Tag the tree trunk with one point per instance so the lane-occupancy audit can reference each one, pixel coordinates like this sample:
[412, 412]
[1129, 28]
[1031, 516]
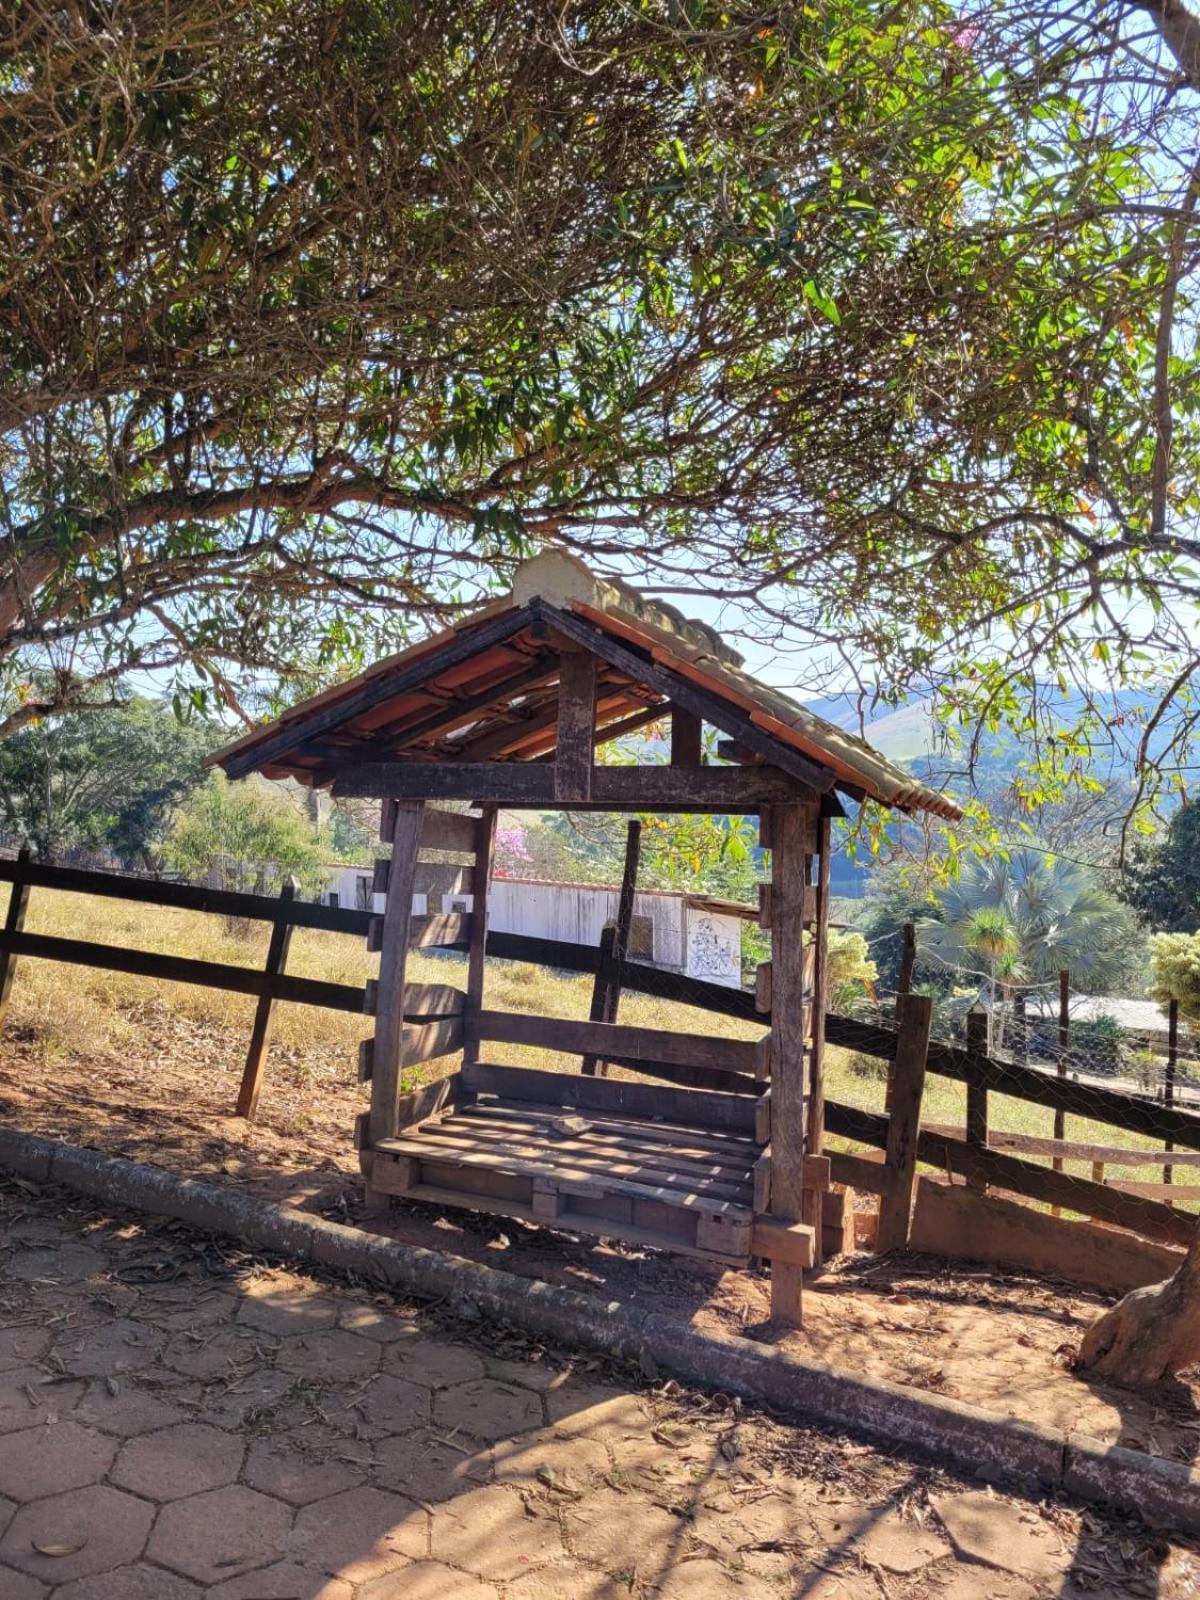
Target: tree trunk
[1152, 1333]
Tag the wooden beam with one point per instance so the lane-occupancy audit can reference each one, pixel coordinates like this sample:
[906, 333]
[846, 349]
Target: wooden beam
[388, 1054]
[815, 1140]
[14, 923]
[456, 710]
[687, 746]
[606, 991]
[904, 1124]
[277, 954]
[717, 789]
[381, 686]
[485, 840]
[790, 839]
[615, 1041]
[783, 1244]
[732, 1114]
[682, 691]
[576, 727]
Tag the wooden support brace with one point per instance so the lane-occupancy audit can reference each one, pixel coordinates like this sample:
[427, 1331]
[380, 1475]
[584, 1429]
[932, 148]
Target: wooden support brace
[485, 843]
[14, 922]
[573, 762]
[260, 1033]
[904, 1124]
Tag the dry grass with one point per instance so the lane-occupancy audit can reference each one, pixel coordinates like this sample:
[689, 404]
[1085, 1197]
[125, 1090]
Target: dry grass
[81, 1011]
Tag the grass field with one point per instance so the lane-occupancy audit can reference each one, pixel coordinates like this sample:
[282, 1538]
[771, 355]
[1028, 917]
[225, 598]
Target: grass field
[76, 1011]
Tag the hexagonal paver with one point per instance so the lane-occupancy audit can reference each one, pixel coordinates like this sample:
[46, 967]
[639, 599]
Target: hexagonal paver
[206, 1535]
[622, 1533]
[896, 1544]
[28, 1396]
[487, 1409]
[251, 1393]
[130, 1410]
[23, 1344]
[581, 1407]
[16, 1585]
[186, 1459]
[101, 1527]
[436, 1363]
[331, 1355]
[69, 1262]
[118, 1346]
[285, 1305]
[52, 1459]
[540, 1458]
[427, 1469]
[525, 1374]
[389, 1405]
[709, 1580]
[283, 1582]
[219, 1352]
[570, 1581]
[361, 1534]
[495, 1533]
[429, 1580]
[301, 1466]
[138, 1582]
[380, 1323]
[996, 1533]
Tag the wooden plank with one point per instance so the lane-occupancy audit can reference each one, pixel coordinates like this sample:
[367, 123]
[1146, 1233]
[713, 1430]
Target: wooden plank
[14, 924]
[687, 745]
[444, 930]
[616, 1041]
[455, 832]
[1168, 1189]
[388, 1056]
[818, 949]
[1114, 1154]
[717, 1146]
[1135, 1113]
[439, 878]
[791, 1244]
[606, 991]
[977, 1095]
[534, 784]
[418, 1105]
[858, 1172]
[573, 767]
[457, 710]
[685, 1107]
[895, 1211]
[485, 840]
[380, 686]
[790, 840]
[185, 969]
[681, 691]
[277, 954]
[183, 896]
[425, 1041]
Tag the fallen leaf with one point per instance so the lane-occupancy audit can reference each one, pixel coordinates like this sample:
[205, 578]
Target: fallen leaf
[59, 1549]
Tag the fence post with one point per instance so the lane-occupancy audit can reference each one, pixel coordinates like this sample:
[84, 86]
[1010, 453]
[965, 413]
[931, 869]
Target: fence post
[614, 946]
[977, 1095]
[277, 954]
[1064, 1046]
[904, 1123]
[908, 960]
[1169, 1075]
[18, 904]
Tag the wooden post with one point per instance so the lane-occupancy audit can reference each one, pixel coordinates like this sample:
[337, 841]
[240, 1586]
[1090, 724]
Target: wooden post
[14, 922]
[573, 763]
[815, 1128]
[790, 835]
[1064, 1048]
[1169, 1075]
[256, 1055]
[908, 960]
[687, 748]
[904, 1124]
[388, 1055]
[614, 946]
[485, 844]
[977, 1095]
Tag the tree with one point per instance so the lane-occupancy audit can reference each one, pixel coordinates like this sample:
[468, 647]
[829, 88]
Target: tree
[314, 317]
[254, 832]
[105, 779]
[1163, 878]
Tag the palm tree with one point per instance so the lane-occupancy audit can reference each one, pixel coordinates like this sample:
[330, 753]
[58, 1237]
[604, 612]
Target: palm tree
[1018, 921]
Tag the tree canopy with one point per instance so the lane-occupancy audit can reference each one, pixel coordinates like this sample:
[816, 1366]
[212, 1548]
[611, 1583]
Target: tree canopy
[872, 320]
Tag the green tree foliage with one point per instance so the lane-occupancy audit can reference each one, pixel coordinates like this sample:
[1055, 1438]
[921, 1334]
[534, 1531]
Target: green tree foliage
[1163, 879]
[314, 317]
[1020, 921]
[254, 833]
[105, 779]
[1175, 972]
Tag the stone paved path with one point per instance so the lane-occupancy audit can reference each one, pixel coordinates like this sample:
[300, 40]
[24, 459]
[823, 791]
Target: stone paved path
[179, 1419]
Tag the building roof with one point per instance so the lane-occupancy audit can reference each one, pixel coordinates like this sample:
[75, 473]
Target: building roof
[486, 690]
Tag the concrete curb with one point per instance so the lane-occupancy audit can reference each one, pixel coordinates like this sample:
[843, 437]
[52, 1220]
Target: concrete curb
[985, 1444]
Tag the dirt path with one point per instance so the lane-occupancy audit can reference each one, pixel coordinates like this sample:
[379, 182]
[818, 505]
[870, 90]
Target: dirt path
[180, 1419]
[999, 1341]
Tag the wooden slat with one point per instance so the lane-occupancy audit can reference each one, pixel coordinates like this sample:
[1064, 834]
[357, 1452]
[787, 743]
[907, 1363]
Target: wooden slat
[695, 1143]
[684, 1106]
[445, 930]
[858, 1172]
[417, 1105]
[388, 1062]
[485, 840]
[895, 1211]
[453, 831]
[523, 783]
[790, 841]
[185, 969]
[183, 896]
[615, 1041]
[277, 954]
[791, 1244]
[425, 1041]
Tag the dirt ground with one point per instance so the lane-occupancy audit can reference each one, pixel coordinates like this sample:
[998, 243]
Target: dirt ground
[1000, 1341]
[179, 1418]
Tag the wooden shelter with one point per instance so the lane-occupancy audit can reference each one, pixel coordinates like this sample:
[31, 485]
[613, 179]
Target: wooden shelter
[505, 710]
